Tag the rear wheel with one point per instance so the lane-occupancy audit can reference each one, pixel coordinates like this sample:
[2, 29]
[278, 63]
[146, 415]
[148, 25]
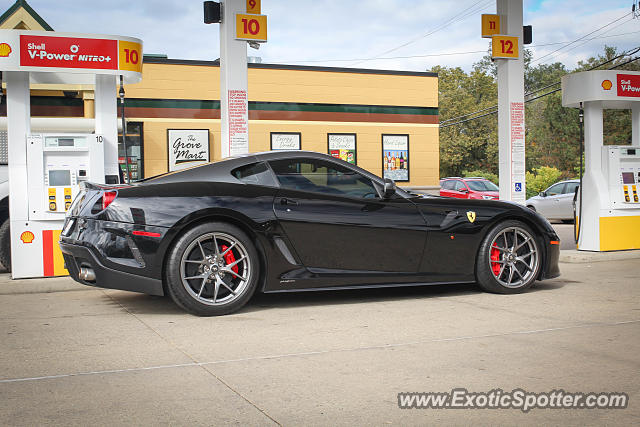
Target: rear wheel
[212, 269]
[509, 259]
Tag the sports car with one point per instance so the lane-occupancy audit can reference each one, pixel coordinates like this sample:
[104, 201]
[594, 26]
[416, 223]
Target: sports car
[283, 221]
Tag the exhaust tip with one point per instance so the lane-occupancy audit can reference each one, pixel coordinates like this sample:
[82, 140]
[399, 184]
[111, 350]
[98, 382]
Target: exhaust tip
[87, 274]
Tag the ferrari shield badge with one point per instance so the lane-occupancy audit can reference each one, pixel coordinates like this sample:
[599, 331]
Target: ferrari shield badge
[471, 216]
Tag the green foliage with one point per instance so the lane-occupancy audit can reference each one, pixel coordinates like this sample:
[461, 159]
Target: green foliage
[552, 138]
[540, 179]
[473, 145]
[488, 175]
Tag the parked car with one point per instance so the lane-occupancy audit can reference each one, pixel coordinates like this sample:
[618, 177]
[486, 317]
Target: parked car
[469, 188]
[556, 202]
[282, 221]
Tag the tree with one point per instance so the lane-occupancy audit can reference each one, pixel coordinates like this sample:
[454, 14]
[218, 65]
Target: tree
[471, 145]
[552, 131]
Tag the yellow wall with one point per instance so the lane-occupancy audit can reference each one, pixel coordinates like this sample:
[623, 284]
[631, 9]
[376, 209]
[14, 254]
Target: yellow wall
[424, 154]
[171, 81]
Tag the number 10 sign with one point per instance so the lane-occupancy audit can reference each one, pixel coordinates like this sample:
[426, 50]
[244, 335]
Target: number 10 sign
[251, 27]
[505, 47]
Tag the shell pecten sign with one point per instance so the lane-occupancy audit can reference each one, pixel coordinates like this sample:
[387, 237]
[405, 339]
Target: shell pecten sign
[5, 50]
[45, 51]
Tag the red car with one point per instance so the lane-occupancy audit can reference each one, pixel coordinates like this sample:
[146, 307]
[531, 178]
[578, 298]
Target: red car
[469, 188]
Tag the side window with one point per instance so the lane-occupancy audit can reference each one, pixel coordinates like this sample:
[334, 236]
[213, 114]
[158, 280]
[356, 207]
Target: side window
[256, 174]
[448, 185]
[460, 186]
[571, 187]
[555, 189]
[322, 177]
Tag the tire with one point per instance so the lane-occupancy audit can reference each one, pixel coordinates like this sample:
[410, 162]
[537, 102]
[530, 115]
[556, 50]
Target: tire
[5, 245]
[209, 282]
[499, 268]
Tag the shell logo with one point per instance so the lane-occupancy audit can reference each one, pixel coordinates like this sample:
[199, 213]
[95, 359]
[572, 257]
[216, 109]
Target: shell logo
[607, 85]
[27, 237]
[5, 49]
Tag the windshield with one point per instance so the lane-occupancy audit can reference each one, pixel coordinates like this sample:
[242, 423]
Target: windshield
[482, 186]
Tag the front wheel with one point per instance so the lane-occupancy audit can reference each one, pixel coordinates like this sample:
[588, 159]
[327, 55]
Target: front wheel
[509, 259]
[212, 269]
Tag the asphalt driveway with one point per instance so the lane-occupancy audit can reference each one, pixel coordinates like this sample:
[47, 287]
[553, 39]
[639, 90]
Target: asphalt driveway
[109, 357]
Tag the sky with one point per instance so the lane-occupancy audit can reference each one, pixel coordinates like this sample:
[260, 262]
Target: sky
[410, 35]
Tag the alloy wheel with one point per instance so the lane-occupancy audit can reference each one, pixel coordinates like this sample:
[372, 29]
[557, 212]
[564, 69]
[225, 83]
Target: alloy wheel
[215, 268]
[514, 257]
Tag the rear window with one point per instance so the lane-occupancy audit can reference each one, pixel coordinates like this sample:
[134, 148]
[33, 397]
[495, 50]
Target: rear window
[448, 185]
[482, 186]
[256, 174]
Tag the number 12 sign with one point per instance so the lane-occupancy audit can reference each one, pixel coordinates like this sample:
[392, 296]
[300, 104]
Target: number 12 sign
[505, 47]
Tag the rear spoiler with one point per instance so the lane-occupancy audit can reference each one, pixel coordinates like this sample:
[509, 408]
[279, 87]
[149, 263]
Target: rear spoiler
[87, 185]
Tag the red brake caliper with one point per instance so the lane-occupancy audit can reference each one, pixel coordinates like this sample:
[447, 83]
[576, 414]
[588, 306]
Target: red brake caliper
[229, 258]
[495, 257]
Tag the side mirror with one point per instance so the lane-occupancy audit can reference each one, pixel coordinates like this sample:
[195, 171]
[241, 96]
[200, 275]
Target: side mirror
[542, 194]
[389, 188]
[463, 190]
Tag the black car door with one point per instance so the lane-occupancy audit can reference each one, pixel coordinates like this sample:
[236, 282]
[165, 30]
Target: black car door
[336, 220]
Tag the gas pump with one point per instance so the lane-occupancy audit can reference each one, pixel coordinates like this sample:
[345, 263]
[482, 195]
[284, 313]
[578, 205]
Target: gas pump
[608, 205]
[46, 169]
[58, 164]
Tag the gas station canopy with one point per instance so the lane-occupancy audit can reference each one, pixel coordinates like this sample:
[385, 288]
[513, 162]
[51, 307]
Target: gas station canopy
[59, 58]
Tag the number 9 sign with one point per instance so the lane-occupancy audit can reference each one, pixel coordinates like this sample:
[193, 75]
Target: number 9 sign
[505, 47]
[253, 6]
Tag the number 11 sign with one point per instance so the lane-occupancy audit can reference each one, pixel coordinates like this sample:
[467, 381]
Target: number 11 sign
[505, 47]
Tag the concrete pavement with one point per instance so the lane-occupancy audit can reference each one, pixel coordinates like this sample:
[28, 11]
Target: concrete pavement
[109, 357]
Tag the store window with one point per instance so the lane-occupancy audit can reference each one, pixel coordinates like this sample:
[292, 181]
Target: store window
[135, 152]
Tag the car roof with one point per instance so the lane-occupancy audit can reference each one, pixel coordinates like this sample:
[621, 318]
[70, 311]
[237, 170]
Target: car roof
[466, 178]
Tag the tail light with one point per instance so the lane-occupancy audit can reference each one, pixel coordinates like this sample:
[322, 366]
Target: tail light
[107, 198]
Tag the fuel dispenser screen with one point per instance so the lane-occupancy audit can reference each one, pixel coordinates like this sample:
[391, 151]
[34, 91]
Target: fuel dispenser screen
[66, 142]
[628, 178]
[59, 178]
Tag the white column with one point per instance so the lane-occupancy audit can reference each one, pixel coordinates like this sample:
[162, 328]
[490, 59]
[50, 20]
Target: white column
[594, 188]
[511, 108]
[593, 131]
[107, 120]
[234, 105]
[635, 124]
[18, 127]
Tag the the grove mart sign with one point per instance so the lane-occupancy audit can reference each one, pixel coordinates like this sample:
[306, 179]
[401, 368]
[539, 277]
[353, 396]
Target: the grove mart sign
[67, 52]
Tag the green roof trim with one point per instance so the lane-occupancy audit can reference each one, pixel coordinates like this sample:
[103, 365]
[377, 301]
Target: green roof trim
[23, 4]
[196, 104]
[56, 101]
[281, 106]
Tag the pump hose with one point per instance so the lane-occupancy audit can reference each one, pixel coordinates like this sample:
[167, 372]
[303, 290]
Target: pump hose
[577, 224]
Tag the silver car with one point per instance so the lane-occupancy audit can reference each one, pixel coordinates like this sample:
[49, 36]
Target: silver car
[556, 202]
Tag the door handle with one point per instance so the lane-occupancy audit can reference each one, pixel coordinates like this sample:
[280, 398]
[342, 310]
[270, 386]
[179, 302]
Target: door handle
[285, 201]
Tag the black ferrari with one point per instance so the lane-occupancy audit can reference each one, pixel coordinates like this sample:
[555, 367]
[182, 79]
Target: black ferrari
[212, 235]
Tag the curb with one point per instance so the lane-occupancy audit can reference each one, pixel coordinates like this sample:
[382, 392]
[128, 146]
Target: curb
[39, 285]
[574, 256]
